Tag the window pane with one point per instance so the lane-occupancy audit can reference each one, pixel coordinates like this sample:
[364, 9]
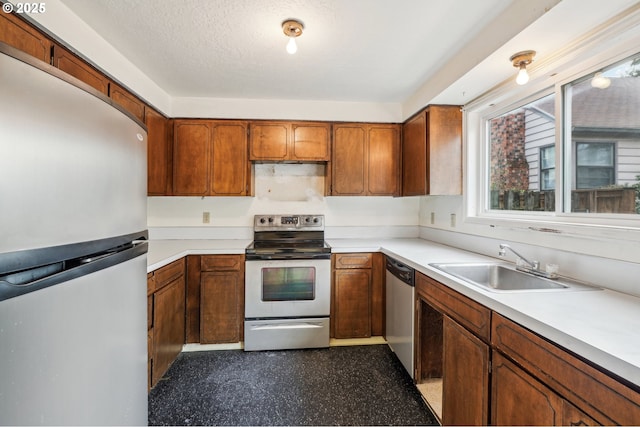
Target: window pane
[603, 115]
[518, 171]
[548, 157]
[594, 154]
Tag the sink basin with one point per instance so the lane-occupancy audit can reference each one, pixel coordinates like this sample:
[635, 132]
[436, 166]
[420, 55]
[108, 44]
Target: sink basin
[505, 278]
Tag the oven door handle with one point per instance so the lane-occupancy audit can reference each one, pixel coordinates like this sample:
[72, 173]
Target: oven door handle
[297, 325]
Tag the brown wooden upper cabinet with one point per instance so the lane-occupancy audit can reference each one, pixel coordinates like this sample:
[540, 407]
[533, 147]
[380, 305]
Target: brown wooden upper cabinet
[17, 33]
[365, 160]
[210, 158]
[276, 141]
[127, 100]
[432, 152]
[158, 153]
[76, 67]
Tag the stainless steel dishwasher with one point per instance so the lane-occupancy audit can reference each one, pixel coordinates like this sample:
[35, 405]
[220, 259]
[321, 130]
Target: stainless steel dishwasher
[400, 283]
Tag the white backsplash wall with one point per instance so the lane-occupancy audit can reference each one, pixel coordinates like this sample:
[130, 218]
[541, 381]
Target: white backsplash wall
[283, 189]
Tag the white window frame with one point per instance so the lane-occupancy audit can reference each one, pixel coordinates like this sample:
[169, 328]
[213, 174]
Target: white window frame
[595, 53]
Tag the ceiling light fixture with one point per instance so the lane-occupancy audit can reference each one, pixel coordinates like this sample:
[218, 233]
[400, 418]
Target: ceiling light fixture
[292, 28]
[600, 81]
[521, 60]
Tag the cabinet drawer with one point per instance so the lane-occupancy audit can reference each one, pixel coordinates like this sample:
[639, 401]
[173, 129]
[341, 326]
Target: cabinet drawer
[353, 260]
[473, 316]
[168, 273]
[590, 390]
[221, 262]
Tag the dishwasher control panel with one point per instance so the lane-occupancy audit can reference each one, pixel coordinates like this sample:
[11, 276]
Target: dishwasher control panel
[401, 271]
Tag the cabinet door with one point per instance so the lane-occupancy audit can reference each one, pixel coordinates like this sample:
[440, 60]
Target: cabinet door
[414, 156]
[572, 416]
[191, 158]
[465, 387]
[158, 153]
[432, 152]
[230, 166]
[17, 33]
[519, 399]
[310, 141]
[269, 141]
[349, 160]
[444, 144]
[352, 303]
[219, 301]
[168, 326]
[127, 100]
[383, 160]
[76, 67]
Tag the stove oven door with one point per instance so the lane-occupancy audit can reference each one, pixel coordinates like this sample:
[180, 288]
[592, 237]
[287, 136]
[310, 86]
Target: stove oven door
[287, 304]
[287, 288]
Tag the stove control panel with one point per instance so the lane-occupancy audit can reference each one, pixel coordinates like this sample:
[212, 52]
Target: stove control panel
[288, 222]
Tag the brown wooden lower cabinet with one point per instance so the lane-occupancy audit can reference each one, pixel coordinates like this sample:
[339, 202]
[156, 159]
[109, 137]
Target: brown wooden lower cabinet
[215, 299]
[588, 395]
[221, 299]
[519, 399]
[494, 371]
[352, 303]
[166, 335]
[452, 353]
[465, 382]
[357, 306]
[168, 317]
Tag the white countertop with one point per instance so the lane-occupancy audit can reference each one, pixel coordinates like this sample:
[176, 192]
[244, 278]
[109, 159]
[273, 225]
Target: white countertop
[600, 325]
[163, 252]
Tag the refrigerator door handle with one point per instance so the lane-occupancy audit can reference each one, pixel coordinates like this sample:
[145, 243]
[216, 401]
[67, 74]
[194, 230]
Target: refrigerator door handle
[16, 284]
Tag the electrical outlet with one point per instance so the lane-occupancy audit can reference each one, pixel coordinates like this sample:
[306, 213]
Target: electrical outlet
[453, 220]
[433, 218]
[206, 217]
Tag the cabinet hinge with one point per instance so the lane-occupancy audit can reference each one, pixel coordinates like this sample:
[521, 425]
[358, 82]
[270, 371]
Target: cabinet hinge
[51, 53]
[490, 366]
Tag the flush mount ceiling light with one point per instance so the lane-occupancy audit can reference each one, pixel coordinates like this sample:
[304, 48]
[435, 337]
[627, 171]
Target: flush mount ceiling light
[521, 60]
[292, 28]
[600, 81]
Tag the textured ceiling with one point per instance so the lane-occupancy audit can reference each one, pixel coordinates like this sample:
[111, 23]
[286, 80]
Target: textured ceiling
[351, 50]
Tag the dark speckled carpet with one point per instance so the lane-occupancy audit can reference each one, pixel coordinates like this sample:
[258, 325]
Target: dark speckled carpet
[359, 385]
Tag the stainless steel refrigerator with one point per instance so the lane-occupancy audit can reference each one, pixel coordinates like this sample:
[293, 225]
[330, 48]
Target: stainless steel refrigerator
[73, 320]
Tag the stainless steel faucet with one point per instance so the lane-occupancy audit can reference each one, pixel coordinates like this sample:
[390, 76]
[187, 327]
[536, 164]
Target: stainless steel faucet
[503, 252]
[532, 267]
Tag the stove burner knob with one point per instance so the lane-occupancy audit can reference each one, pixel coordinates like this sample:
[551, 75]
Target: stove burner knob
[316, 220]
[270, 219]
[262, 220]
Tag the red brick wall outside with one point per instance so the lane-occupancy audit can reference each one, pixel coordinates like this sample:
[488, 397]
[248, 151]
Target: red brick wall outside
[509, 167]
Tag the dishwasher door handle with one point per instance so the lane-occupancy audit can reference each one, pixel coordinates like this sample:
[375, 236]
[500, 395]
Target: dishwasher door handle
[401, 271]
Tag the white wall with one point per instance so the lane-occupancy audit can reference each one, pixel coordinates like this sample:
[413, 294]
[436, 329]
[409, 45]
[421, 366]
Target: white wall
[283, 189]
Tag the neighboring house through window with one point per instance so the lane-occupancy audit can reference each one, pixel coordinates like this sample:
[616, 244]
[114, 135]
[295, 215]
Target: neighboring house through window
[595, 164]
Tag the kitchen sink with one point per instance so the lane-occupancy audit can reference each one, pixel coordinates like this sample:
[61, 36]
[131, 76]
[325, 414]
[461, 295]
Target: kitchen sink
[498, 277]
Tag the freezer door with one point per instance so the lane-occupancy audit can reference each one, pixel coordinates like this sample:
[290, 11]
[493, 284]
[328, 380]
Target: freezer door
[76, 353]
[73, 166]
